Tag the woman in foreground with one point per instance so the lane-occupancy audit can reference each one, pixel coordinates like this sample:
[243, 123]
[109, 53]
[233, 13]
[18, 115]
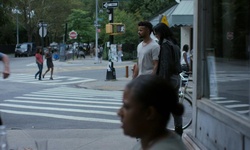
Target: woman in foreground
[148, 101]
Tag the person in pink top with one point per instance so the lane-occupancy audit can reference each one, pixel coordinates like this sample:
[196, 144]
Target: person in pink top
[39, 62]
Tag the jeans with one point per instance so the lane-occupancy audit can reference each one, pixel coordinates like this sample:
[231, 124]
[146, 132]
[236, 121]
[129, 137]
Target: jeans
[39, 72]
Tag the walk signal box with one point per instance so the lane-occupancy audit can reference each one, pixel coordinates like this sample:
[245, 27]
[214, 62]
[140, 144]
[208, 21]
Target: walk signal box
[115, 28]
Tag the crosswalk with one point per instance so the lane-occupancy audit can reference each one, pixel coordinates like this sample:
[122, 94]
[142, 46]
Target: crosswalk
[225, 77]
[58, 80]
[236, 105]
[67, 103]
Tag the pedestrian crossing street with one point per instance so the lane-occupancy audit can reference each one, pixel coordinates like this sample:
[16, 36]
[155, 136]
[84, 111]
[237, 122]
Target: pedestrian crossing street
[67, 103]
[65, 80]
[58, 80]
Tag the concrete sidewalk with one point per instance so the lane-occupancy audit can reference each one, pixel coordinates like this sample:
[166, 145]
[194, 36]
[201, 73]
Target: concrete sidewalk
[70, 139]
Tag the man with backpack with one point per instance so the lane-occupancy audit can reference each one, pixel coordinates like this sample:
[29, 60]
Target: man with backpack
[169, 66]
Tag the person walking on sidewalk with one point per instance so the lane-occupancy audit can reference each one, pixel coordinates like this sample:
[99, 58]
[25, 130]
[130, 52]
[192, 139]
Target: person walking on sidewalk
[99, 54]
[50, 64]
[148, 101]
[169, 65]
[185, 59]
[5, 59]
[39, 62]
[147, 51]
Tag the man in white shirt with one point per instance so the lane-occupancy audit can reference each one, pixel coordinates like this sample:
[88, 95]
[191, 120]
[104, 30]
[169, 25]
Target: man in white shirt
[147, 51]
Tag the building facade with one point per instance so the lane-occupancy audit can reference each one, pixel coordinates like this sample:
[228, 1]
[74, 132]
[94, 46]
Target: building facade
[221, 75]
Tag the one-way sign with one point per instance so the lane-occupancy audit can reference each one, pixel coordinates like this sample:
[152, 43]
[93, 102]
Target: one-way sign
[109, 4]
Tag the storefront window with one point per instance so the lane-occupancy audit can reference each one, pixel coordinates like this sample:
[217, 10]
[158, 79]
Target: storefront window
[227, 52]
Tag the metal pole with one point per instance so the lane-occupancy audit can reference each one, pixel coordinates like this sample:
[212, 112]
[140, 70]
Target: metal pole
[17, 29]
[96, 31]
[42, 36]
[111, 37]
[65, 34]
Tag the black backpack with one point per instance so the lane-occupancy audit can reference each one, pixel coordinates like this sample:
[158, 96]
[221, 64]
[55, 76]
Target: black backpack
[176, 56]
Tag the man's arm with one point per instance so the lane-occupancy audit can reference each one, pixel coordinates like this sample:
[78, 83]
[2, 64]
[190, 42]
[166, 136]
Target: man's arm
[155, 63]
[135, 70]
[6, 71]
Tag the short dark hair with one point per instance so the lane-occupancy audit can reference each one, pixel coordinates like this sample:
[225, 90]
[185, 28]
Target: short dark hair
[146, 24]
[185, 48]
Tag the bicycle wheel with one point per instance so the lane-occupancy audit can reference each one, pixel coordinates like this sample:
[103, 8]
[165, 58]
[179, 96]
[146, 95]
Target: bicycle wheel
[187, 115]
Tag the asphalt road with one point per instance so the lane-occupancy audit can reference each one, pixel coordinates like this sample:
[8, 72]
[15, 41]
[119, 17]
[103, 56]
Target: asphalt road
[27, 103]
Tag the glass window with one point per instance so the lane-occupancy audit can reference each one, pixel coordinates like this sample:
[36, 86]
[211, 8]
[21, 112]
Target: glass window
[227, 52]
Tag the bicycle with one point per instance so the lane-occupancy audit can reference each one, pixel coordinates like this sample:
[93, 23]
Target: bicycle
[185, 98]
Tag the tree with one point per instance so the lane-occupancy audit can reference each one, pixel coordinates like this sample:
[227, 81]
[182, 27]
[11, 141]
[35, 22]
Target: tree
[82, 23]
[147, 8]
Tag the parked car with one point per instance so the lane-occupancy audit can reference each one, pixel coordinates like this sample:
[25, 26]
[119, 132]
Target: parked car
[25, 49]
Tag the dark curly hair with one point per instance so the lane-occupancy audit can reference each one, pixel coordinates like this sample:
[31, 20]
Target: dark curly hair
[152, 90]
[146, 24]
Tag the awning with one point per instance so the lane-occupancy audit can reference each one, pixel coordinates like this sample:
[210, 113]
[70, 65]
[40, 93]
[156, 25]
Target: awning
[179, 15]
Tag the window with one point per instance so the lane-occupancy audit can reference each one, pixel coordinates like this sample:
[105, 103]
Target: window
[227, 53]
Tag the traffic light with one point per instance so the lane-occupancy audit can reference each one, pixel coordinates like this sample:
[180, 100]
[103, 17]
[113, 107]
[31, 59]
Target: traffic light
[120, 28]
[109, 28]
[115, 28]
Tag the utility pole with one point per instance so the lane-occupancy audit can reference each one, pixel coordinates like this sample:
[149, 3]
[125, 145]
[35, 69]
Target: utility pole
[111, 20]
[17, 29]
[96, 31]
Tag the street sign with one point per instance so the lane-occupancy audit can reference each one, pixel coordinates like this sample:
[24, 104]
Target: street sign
[72, 34]
[43, 31]
[41, 24]
[109, 4]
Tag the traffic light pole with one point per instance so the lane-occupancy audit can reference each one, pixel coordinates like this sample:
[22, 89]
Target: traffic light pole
[111, 75]
[111, 20]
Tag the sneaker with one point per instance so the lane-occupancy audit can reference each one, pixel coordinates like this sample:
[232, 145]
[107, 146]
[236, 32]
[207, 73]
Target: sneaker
[179, 130]
[51, 78]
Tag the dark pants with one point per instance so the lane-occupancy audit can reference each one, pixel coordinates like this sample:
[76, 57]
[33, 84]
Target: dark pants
[39, 72]
[184, 67]
[175, 80]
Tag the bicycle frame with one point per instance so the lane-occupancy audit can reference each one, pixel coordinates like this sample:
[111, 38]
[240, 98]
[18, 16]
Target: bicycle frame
[185, 98]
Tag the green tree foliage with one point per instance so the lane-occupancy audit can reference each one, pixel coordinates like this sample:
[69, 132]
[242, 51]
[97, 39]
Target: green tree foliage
[81, 22]
[147, 8]
[78, 14]
[130, 21]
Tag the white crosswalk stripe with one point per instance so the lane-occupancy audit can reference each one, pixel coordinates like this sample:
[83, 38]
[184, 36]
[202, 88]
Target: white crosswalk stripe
[67, 103]
[223, 77]
[58, 80]
[237, 105]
